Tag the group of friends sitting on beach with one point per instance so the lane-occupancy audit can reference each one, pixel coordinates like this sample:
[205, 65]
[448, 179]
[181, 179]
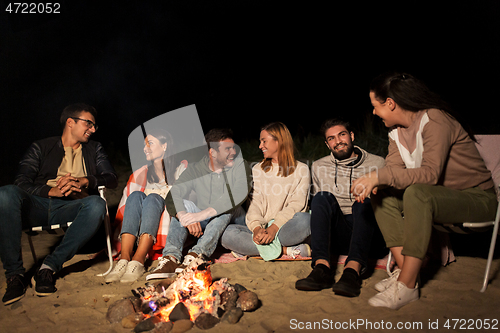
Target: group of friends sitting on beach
[350, 202]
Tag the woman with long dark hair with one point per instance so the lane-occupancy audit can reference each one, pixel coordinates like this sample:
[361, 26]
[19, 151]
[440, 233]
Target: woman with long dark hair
[144, 207]
[433, 172]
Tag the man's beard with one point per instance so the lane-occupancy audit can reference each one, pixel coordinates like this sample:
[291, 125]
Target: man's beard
[342, 155]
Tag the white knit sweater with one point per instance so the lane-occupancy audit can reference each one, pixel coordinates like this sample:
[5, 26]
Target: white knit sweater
[276, 197]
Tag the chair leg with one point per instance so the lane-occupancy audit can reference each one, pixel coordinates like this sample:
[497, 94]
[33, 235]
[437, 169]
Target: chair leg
[30, 241]
[490, 255]
[388, 265]
[107, 228]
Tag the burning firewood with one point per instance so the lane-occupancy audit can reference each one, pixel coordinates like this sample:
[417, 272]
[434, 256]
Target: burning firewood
[191, 296]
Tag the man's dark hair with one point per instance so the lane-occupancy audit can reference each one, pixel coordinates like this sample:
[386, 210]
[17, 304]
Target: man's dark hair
[334, 122]
[214, 136]
[74, 110]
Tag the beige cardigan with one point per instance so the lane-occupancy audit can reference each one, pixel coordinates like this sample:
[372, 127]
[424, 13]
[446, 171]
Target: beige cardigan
[449, 158]
[276, 197]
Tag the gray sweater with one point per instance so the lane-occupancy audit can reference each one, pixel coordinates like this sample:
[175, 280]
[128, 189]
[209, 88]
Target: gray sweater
[221, 191]
[335, 176]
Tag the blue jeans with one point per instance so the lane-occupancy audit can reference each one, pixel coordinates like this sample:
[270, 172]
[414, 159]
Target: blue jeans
[142, 214]
[20, 210]
[239, 238]
[212, 230]
[334, 232]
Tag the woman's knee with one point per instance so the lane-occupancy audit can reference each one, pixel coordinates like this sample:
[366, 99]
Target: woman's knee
[136, 195]
[420, 192]
[230, 234]
[154, 198]
[302, 216]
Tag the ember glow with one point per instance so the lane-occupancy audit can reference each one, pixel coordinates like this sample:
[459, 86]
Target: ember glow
[194, 288]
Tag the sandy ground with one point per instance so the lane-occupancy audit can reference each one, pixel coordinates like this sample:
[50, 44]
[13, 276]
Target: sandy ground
[449, 294]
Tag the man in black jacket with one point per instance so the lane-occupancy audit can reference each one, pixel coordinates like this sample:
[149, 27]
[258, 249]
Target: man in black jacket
[56, 182]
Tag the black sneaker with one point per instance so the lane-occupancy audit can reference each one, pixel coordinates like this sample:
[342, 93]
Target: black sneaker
[349, 284]
[44, 283]
[16, 289]
[320, 278]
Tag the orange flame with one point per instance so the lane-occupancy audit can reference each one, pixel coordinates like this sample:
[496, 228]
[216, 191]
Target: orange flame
[202, 281]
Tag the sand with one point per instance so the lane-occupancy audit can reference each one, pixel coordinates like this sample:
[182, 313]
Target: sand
[80, 304]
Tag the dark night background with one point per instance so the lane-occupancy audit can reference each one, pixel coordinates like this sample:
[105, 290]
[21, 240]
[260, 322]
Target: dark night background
[243, 63]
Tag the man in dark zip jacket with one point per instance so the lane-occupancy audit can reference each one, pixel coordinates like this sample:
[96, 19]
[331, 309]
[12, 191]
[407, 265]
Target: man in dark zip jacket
[221, 183]
[57, 182]
[338, 222]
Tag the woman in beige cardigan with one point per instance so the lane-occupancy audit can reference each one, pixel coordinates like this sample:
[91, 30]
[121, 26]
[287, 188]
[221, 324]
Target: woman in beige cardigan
[276, 221]
[433, 172]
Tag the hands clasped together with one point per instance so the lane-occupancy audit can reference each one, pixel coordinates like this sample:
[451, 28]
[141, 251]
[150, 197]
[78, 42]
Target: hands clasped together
[192, 220]
[67, 185]
[264, 236]
[364, 185]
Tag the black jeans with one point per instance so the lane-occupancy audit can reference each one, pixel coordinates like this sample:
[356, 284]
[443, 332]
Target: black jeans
[334, 232]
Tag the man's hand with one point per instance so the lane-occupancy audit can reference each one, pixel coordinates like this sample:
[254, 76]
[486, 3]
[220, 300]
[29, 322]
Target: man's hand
[55, 192]
[67, 185]
[189, 218]
[195, 229]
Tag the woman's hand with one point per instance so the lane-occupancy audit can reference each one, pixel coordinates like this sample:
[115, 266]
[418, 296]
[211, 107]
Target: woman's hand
[270, 234]
[263, 236]
[364, 185]
[258, 234]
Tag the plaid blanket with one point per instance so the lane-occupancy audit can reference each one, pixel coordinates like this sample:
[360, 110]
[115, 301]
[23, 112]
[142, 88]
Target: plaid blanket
[137, 182]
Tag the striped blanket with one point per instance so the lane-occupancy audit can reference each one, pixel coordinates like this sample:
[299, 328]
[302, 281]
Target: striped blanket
[137, 182]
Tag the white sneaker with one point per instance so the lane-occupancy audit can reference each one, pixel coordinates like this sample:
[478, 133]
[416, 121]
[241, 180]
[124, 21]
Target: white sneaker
[394, 297]
[117, 271]
[303, 250]
[134, 271]
[386, 283]
[237, 255]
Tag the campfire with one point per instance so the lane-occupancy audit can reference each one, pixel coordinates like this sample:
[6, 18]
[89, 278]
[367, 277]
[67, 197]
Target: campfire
[192, 296]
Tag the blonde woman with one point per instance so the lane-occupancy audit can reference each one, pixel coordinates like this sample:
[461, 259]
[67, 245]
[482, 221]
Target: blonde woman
[276, 222]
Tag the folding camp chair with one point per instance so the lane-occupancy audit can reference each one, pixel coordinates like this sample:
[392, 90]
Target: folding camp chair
[53, 228]
[487, 145]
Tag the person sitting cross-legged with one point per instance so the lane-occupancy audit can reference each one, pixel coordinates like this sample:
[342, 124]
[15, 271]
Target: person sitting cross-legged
[276, 222]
